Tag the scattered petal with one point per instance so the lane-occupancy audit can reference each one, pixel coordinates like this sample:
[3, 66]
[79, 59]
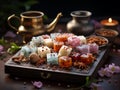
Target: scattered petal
[37, 84]
[101, 72]
[108, 73]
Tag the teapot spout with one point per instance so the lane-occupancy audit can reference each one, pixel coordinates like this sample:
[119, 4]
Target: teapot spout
[52, 25]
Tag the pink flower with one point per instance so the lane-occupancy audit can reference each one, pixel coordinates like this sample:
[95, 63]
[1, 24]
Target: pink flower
[104, 72]
[108, 73]
[109, 70]
[113, 68]
[101, 72]
[37, 84]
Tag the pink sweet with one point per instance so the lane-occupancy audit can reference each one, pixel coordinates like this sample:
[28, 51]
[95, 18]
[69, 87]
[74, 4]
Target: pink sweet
[74, 41]
[94, 48]
[83, 49]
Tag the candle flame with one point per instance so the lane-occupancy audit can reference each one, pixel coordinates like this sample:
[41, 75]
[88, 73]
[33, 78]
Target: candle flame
[110, 20]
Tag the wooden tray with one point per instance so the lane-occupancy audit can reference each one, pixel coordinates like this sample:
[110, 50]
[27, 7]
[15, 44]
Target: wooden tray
[30, 71]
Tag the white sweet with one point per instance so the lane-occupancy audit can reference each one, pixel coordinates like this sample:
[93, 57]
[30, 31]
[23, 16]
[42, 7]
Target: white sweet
[36, 41]
[27, 50]
[52, 58]
[43, 50]
[64, 51]
[82, 39]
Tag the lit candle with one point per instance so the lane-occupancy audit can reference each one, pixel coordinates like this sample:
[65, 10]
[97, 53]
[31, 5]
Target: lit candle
[109, 22]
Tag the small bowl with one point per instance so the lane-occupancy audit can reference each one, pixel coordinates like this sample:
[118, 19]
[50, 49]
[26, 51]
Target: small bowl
[110, 34]
[99, 40]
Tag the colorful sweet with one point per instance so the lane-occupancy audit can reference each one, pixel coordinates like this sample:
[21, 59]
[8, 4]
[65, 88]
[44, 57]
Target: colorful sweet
[94, 48]
[34, 58]
[54, 35]
[62, 50]
[74, 41]
[48, 42]
[37, 41]
[27, 50]
[57, 45]
[65, 61]
[88, 48]
[52, 58]
[43, 50]
[87, 58]
[83, 39]
[75, 56]
[83, 49]
[65, 51]
[63, 37]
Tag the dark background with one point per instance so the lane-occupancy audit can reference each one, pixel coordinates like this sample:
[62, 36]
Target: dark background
[99, 8]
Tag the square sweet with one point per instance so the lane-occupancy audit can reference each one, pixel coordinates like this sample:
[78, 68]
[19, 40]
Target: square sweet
[48, 42]
[64, 51]
[43, 50]
[52, 58]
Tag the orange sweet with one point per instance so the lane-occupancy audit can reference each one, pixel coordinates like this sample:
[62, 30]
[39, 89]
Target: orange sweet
[65, 61]
[57, 45]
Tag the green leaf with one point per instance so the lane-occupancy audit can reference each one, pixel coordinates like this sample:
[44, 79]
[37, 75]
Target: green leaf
[14, 47]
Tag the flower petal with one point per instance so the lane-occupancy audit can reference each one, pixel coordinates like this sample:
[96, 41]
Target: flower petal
[37, 84]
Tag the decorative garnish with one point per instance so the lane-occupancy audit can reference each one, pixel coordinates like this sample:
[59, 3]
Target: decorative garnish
[37, 84]
[14, 47]
[109, 70]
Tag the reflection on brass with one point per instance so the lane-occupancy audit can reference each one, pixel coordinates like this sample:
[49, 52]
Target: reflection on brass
[32, 23]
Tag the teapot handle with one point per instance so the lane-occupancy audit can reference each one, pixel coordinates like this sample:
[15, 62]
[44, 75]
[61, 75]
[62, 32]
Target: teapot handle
[9, 23]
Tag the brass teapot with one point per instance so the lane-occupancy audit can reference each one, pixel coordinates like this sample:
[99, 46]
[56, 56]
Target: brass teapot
[31, 22]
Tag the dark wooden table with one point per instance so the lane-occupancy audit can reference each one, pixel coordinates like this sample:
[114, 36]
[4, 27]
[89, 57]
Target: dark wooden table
[8, 82]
